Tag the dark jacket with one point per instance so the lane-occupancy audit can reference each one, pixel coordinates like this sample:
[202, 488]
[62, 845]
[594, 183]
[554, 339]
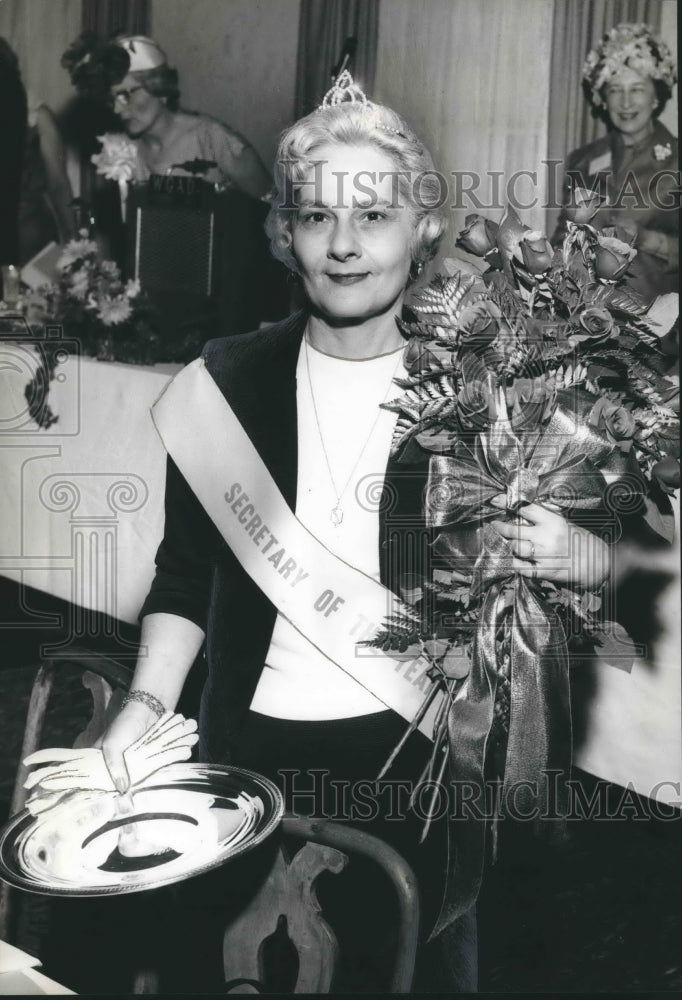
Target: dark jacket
[642, 185]
[197, 575]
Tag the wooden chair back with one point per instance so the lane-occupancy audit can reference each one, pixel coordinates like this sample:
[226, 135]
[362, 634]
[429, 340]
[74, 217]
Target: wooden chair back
[287, 904]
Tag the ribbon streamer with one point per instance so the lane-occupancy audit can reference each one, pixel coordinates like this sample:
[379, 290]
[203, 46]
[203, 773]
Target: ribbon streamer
[540, 721]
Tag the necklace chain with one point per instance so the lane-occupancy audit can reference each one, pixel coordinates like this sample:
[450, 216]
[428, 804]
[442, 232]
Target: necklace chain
[336, 513]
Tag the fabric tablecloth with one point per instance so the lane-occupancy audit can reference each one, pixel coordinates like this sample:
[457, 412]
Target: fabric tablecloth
[82, 501]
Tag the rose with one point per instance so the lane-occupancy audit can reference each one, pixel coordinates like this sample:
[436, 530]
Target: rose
[597, 324]
[479, 237]
[627, 232]
[478, 324]
[510, 232]
[535, 251]
[584, 205]
[666, 472]
[616, 421]
[530, 401]
[612, 258]
[476, 405]
[418, 357]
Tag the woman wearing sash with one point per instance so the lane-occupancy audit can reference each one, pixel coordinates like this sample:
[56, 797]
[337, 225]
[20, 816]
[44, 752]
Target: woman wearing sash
[356, 216]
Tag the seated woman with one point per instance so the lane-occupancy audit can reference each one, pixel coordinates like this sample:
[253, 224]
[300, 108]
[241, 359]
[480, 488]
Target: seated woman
[133, 73]
[629, 78]
[308, 392]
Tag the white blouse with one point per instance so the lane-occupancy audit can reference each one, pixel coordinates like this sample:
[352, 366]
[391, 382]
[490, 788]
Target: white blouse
[298, 681]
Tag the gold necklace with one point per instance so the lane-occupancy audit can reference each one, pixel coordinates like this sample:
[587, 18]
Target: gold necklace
[336, 513]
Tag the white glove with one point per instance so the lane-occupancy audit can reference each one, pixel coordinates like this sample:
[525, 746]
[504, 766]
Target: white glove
[168, 741]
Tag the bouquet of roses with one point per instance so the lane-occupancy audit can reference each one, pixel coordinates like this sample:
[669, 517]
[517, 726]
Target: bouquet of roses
[537, 378]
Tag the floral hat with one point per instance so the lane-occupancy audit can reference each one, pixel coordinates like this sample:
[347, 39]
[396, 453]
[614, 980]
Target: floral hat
[631, 45]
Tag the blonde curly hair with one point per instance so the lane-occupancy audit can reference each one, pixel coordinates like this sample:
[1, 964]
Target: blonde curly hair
[356, 124]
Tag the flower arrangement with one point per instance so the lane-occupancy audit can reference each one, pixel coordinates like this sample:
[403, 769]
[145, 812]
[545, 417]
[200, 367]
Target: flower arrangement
[628, 45]
[110, 318]
[535, 378]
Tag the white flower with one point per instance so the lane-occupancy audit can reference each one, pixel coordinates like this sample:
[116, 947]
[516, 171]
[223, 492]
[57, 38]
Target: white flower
[109, 269]
[79, 283]
[75, 250]
[117, 160]
[662, 152]
[132, 289]
[114, 310]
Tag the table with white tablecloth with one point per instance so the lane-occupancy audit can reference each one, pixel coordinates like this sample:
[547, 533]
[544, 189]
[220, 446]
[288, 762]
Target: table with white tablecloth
[82, 501]
[82, 506]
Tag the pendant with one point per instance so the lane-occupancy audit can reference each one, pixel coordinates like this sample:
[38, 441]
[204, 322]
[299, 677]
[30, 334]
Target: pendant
[336, 515]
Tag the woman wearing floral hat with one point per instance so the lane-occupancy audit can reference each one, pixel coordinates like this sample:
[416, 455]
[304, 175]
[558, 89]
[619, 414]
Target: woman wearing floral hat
[634, 168]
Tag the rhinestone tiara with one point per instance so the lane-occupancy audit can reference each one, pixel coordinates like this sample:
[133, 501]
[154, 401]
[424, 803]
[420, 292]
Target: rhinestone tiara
[345, 90]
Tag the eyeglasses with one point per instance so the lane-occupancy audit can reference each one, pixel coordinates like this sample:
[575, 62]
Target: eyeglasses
[124, 95]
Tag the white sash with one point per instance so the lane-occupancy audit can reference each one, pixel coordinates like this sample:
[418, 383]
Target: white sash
[331, 603]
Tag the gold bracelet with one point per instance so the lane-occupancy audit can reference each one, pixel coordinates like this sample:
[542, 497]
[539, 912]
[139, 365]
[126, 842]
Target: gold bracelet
[147, 699]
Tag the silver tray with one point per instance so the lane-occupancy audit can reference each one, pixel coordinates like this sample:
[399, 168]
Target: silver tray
[184, 820]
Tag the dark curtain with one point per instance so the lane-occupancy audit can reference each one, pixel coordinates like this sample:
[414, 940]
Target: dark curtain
[121, 16]
[578, 26]
[324, 26]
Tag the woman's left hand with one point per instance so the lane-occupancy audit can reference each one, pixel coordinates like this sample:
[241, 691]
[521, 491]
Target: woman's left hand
[548, 547]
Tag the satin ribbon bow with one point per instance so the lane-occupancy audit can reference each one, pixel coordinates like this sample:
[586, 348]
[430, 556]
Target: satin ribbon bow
[558, 463]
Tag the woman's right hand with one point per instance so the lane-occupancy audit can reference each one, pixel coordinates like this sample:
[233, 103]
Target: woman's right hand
[170, 645]
[132, 721]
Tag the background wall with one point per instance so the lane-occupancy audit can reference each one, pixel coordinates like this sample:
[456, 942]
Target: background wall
[473, 78]
[236, 60]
